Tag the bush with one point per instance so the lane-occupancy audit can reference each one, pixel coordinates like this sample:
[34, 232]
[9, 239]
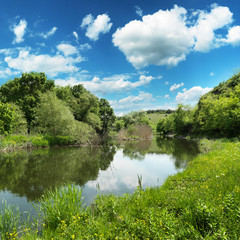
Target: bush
[134, 132]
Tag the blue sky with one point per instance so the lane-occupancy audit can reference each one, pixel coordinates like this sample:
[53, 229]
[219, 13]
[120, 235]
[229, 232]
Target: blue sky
[137, 54]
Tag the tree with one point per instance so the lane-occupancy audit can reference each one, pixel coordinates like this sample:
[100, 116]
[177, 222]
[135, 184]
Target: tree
[53, 116]
[25, 92]
[11, 119]
[107, 116]
[82, 103]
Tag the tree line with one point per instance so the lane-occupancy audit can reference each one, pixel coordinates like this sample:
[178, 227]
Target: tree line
[33, 104]
[217, 113]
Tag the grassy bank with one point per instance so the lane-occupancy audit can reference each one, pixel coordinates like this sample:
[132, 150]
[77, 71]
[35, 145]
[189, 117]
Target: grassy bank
[12, 142]
[200, 203]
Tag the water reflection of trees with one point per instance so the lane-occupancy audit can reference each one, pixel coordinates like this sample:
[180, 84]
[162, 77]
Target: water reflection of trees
[181, 150]
[31, 173]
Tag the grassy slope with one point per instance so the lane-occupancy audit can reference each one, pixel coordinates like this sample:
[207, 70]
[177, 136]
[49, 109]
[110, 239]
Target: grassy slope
[154, 119]
[200, 203]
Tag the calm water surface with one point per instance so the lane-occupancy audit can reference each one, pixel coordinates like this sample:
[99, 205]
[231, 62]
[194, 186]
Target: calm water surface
[25, 175]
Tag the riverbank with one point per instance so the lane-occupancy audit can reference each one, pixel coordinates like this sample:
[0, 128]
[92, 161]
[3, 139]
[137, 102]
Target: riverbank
[202, 202]
[16, 142]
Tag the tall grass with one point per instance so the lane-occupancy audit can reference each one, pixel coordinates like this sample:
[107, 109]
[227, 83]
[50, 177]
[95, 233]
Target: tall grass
[9, 221]
[60, 205]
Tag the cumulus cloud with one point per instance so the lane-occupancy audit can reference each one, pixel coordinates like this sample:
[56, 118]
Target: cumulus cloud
[49, 33]
[166, 96]
[192, 95]
[98, 86]
[19, 31]
[206, 24]
[95, 27]
[161, 39]
[233, 36]
[176, 86]
[167, 37]
[67, 49]
[51, 65]
[142, 100]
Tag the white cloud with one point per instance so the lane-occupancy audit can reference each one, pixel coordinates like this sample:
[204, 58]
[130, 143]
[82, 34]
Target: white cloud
[51, 65]
[160, 39]
[75, 34]
[96, 85]
[85, 46]
[50, 33]
[19, 31]
[7, 72]
[176, 86]
[67, 49]
[233, 36]
[100, 25]
[207, 23]
[166, 96]
[130, 103]
[87, 20]
[212, 74]
[192, 95]
[142, 96]
[139, 11]
[167, 37]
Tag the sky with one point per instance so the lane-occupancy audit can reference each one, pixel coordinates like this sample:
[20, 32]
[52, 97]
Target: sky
[139, 55]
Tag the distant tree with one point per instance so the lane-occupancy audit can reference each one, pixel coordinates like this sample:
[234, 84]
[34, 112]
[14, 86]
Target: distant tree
[25, 92]
[107, 116]
[133, 118]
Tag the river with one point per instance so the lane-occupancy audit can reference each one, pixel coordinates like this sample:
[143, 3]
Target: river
[112, 168]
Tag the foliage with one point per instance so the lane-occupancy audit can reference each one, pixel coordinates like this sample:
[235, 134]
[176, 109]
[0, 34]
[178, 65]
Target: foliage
[82, 103]
[134, 118]
[107, 116]
[54, 117]
[179, 122]
[135, 132]
[25, 92]
[11, 119]
[218, 112]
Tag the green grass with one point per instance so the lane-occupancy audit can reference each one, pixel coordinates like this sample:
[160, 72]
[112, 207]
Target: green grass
[154, 119]
[9, 221]
[11, 142]
[202, 202]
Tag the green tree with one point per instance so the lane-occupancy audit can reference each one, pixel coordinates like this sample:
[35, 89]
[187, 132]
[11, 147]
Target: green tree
[11, 119]
[25, 92]
[53, 116]
[107, 116]
[82, 103]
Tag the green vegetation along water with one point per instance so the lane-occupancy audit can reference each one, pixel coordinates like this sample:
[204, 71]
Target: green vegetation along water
[26, 175]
